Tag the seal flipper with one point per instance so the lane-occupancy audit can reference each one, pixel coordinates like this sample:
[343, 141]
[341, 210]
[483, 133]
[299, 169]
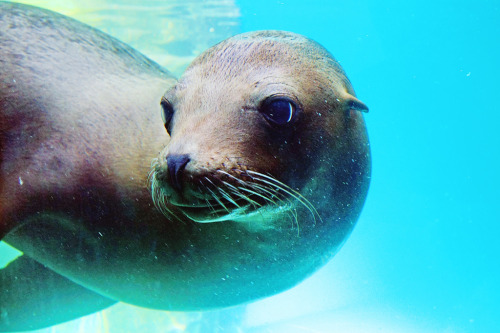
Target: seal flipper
[32, 297]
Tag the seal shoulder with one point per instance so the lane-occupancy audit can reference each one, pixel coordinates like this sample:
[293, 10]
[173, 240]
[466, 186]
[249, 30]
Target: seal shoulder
[38, 28]
[70, 96]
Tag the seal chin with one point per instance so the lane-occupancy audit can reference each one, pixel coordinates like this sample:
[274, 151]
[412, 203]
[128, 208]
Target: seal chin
[262, 215]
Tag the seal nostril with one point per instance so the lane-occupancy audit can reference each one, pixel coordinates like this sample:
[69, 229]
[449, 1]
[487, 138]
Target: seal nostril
[176, 165]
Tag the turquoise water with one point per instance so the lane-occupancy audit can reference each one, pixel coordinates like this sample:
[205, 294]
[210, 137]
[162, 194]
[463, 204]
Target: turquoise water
[424, 256]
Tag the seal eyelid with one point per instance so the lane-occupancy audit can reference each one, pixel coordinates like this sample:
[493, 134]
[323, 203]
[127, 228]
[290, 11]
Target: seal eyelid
[167, 113]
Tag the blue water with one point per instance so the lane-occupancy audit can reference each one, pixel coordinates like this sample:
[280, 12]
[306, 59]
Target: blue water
[426, 247]
[425, 255]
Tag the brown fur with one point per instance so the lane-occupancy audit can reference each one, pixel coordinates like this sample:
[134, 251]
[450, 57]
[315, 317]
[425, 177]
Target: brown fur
[85, 108]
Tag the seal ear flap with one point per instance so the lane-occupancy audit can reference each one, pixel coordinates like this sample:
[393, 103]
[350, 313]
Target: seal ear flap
[352, 103]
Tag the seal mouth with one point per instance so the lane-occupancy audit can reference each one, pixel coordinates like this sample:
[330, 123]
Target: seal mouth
[253, 197]
[248, 213]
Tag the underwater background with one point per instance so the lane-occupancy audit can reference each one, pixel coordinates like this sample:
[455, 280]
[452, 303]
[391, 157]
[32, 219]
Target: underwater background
[425, 255]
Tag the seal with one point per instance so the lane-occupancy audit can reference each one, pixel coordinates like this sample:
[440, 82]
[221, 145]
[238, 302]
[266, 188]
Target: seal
[261, 164]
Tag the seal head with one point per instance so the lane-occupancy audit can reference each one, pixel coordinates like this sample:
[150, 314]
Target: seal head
[266, 130]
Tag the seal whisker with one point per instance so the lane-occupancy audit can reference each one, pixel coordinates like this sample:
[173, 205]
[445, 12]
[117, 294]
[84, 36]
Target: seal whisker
[209, 205]
[303, 201]
[159, 198]
[282, 185]
[233, 177]
[258, 194]
[295, 217]
[272, 191]
[228, 197]
[152, 171]
[287, 189]
[230, 186]
[254, 203]
[246, 198]
[215, 195]
[233, 189]
[162, 207]
[245, 187]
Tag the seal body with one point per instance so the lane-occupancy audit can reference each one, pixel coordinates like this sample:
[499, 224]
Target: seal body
[268, 143]
[261, 172]
[79, 125]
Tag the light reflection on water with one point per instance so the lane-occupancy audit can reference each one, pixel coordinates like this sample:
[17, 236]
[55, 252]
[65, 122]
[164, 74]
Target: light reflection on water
[126, 318]
[170, 32]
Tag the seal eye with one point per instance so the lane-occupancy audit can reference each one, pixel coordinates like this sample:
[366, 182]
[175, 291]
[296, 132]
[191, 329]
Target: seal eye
[279, 110]
[166, 113]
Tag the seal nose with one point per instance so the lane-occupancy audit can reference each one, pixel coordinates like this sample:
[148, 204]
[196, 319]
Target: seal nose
[176, 165]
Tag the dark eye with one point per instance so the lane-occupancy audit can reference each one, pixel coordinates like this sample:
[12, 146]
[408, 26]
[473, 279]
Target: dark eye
[166, 113]
[278, 110]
